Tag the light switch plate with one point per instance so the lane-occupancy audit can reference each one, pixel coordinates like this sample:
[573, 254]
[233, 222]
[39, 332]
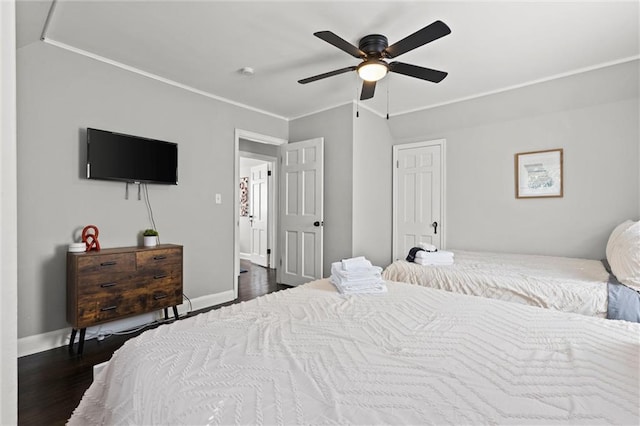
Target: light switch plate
[218, 198]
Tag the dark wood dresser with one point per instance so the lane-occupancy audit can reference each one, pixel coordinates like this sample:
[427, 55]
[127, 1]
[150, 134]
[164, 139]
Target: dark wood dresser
[116, 283]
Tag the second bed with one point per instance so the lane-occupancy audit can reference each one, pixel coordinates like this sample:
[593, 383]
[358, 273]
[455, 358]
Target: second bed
[559, 283]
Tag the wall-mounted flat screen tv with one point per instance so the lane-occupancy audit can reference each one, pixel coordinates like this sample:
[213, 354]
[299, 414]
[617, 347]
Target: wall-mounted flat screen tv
[116, 156]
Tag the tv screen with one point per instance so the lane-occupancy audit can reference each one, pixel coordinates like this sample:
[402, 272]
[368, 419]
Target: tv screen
[116, 156]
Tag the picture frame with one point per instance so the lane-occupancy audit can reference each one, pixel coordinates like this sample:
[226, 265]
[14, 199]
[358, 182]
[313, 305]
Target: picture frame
[539, 174]
[244, 196]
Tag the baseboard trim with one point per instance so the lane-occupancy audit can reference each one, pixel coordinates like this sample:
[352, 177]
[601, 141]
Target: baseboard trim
[53, 339]
[42, 342]
[245, 256]
[207, 301]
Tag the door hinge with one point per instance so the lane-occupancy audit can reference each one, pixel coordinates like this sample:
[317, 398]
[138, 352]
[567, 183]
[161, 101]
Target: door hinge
[397, 164]
[280, 261]
[268, 172]
[268, 251]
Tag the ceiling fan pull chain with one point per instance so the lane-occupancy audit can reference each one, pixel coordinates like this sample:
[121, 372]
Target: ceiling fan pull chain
[388, 84]
[357, 102]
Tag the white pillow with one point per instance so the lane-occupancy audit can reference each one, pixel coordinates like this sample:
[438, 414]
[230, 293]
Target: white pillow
[614, 236]
[625, 256]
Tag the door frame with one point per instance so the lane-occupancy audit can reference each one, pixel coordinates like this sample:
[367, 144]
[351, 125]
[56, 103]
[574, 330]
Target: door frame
[442, 143]
[259, 138]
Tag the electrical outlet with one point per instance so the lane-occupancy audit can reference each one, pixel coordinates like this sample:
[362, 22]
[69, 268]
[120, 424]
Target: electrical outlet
[218, 198]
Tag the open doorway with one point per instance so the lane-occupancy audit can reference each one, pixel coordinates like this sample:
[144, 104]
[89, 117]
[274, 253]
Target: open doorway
[256, 201]
[257, 213]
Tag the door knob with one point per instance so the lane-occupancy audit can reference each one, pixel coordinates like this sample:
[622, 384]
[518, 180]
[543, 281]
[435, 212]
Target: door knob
[317, 223]
[435, 227]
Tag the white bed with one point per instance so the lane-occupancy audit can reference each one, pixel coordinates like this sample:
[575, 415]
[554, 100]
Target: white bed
[560, 283]
[413, 355]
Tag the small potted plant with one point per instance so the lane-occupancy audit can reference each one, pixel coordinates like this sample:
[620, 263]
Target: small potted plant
[150, 237]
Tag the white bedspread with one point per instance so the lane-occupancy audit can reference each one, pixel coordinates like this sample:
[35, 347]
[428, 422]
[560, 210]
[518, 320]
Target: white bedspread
[414, 355]
[561, 283]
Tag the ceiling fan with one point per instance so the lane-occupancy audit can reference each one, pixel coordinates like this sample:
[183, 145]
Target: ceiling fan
[374, 48]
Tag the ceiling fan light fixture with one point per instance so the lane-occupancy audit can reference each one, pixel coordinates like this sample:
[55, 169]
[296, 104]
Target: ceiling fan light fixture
[373, 70]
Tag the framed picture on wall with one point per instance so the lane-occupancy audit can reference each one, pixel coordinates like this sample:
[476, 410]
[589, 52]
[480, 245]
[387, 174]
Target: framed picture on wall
[244, 196]
[539, 174]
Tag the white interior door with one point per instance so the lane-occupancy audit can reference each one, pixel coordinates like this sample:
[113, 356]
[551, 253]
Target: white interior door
[418, 196]
[259, 214]
[301, 211]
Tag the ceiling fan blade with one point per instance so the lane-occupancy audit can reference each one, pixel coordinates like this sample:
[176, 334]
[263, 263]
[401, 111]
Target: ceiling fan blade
[368, 89]
[428, 74]
[421, 37]
[325, 75]
[340, 43]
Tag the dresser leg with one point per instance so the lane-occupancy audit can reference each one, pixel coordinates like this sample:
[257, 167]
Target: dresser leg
[175, 312]
[166, 313]
[72, 339]
[81, 342]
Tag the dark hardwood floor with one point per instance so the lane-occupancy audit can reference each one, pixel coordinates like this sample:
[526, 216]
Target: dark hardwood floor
[51, 383]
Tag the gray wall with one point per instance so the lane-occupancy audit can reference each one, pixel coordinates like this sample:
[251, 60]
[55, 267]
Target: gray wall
[372, 197]
[336, 126]
[593, 116]
[60, 94]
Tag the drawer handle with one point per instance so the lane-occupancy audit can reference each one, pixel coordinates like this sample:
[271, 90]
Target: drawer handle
[157, 277]
[108, 263]
[159, 257]
[159, 296]
[108, 308]
[105, 285]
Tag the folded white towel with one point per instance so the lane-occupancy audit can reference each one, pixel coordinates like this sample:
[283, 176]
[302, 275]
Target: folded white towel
[355, 263]
[361, 281]
[357, 275]
[433, 262]
[441, 255]
[373, 286]
[336, 269]
[427, 247]
[337, 279]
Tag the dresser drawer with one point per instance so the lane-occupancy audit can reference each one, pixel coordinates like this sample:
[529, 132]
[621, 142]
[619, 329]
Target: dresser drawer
[99, 308]
[118, 262]
[105, 284]
[160, 275]
[165, 295]
[154, 259]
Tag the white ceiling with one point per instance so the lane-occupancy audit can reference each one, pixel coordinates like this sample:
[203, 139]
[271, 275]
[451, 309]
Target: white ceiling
[202, 45]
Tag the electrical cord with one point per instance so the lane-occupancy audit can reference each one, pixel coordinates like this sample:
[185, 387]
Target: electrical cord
[184, 296]
[108, 333]
[105, 334]
[149, 209]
